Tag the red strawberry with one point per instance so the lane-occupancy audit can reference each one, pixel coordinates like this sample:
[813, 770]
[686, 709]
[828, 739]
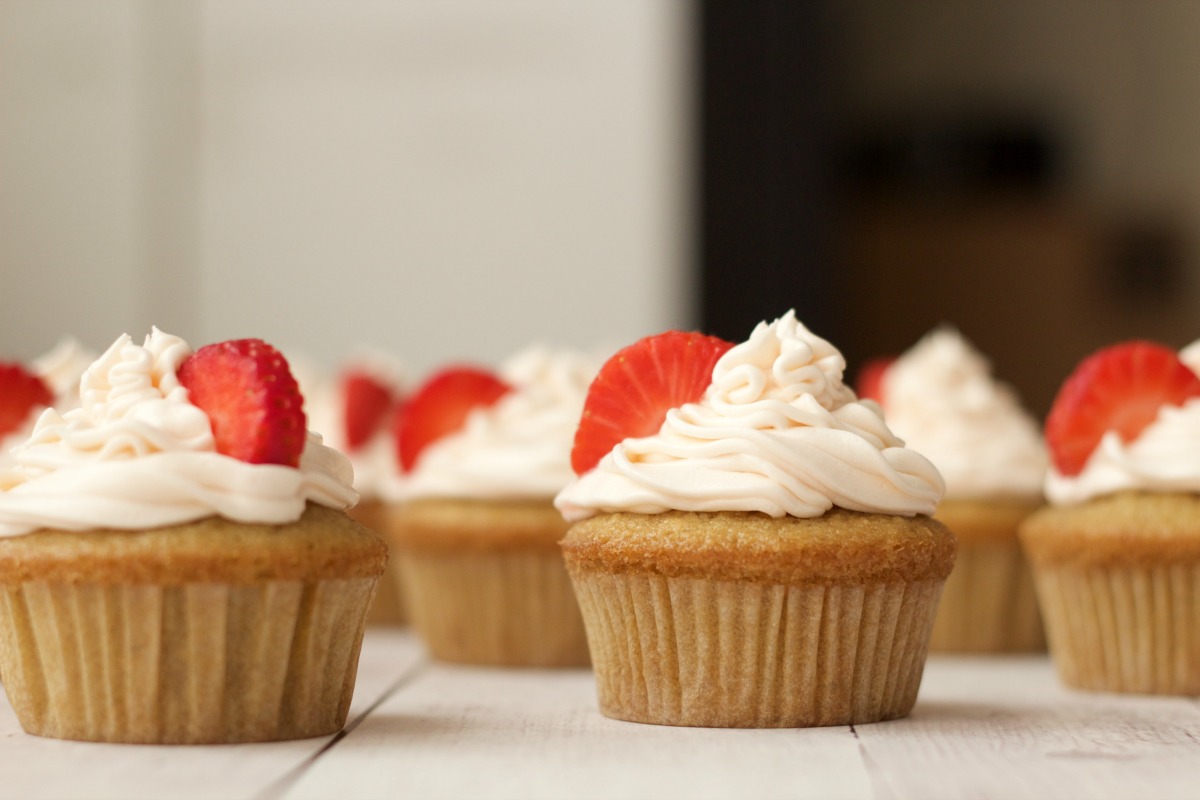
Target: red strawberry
[1120, 388]
[253, 403]
[870, 378]
[20, 393]
[440, 407]
[632, 393]
[366, 405]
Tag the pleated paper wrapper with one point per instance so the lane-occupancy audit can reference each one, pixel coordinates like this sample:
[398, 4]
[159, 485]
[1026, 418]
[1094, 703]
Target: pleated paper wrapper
[188, 664]
[686, 651]
[1124, 629]
[989, 604]
[504, 608]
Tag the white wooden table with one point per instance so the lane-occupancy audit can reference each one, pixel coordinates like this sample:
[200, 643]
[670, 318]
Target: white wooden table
[982, 728]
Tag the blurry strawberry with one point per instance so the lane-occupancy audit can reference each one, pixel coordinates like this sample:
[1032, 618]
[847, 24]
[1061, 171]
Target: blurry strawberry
[441, 406]
[870, 378]
[253, 403]
[634, 390]
[366, 403]
[21, 393]
[1120, 388]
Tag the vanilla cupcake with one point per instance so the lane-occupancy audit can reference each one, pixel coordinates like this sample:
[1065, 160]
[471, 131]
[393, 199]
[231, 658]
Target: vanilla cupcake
[1116, 555]
[356, 413]
[940, 398]
[476, 539]
[175, 563]
[751, 546]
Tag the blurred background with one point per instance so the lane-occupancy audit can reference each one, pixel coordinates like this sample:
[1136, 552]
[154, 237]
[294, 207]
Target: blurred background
[458, 179]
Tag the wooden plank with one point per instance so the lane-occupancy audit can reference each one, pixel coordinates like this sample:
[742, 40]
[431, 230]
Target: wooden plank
[458, 732]
[1005, 728]
[33, 767]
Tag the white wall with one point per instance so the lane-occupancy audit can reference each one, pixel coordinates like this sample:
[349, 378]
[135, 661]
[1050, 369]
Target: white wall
[441, 180]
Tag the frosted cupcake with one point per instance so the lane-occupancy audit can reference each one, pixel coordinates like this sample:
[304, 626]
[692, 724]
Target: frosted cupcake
[356, 413]
[1116, 555]
[477, 537]
[941, 399]
[175, 563]
[751, 546]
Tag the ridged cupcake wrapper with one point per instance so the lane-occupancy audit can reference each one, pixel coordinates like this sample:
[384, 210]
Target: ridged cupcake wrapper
[191, 664]
[389, 607]
[1124, 629]
[511, 608]
[989, 604]
[676, 651]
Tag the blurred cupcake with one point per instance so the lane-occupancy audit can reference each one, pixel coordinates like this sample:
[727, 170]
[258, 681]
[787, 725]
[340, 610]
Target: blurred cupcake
[357, 413]
[174, 559]
[1116, 555]
[477, 536]
[940, 398]
[751, 546]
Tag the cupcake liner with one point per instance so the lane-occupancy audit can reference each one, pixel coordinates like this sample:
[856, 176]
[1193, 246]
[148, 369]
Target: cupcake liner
[509, 608]
[1124, 628]
[989, 604]
[190, 664]
[685, 651]
[388, 608]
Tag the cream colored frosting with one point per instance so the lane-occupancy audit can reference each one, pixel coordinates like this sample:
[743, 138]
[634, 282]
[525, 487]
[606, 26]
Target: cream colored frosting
[136, 454]
[941, 399]
[777, 431]
[519, 447]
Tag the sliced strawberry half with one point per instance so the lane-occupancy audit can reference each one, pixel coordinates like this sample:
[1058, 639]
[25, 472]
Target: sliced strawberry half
[365, 407]
[21, 393]
[869, 384]
[253, 403]
[441, 406]
[1120, 388]
[632, 393]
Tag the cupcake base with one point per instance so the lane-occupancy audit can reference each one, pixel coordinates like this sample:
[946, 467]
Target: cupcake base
[210, 632]
[735, 619]
[485, 583]
[677, 651]
[1118, 579]
[989, 604]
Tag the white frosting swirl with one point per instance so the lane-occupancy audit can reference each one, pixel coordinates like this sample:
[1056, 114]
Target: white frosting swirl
[777, 432]
[519, 447]
[1165, 457]
[136, 454]
[941, 399]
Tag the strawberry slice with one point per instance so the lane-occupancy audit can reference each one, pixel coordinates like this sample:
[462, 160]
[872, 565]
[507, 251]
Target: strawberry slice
[441, 406]
[253, 403]
[632, 393]
[870, 378]
[1119, 388]
[21, 392]
[366, 403]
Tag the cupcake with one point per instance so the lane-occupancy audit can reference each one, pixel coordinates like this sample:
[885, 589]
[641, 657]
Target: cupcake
[175, 563]
[940, 398]
[751, 546]
[1116, 554]
[356, 413]
[476, 538]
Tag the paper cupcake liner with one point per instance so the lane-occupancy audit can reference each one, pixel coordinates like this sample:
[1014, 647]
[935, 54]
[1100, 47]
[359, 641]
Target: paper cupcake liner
[1124, 629]
[388, 608]
[191, 664]
[506, 608]
[989, 604]
[681, 651]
